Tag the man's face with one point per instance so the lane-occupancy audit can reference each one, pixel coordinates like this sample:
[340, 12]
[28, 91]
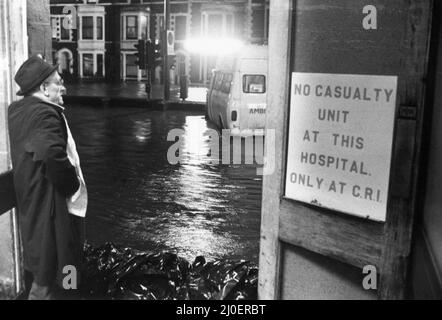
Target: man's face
[54, 89]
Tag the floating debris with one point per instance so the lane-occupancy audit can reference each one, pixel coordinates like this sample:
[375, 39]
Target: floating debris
[113, 272]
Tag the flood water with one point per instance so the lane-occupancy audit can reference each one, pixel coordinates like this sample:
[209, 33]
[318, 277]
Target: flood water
[138, 199]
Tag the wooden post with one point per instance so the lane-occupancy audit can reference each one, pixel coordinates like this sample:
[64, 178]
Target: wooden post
[13, 52]
[280, 19]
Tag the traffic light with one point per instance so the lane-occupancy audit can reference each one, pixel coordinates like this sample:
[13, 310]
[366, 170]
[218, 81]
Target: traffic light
[141, 54]
[158, 53]
[150, 50]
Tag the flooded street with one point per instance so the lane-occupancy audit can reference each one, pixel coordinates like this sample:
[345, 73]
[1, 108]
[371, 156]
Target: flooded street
[138, 199]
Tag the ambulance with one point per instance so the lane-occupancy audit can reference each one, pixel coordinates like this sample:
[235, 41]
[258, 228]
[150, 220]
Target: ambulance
[237, 96]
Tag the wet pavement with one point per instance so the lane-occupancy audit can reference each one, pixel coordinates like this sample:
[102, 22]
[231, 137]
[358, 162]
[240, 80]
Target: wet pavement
[133, 90]
[137, 199]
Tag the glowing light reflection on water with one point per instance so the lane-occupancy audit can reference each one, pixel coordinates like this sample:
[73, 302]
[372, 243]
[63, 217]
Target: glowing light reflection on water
[138, 199]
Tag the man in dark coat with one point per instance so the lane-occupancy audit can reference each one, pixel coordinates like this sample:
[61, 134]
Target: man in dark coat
[45, 180]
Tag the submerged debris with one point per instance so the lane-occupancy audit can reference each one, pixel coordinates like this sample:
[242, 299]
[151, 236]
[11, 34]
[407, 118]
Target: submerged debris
[112, 272]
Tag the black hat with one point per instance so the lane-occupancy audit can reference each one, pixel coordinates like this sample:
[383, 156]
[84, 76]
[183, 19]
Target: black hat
[32, 74]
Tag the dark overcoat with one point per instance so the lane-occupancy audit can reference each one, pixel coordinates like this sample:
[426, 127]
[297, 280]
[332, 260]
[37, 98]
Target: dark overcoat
[43, 179]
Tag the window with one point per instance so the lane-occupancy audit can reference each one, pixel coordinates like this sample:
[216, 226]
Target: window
[227, 83]
[88, 28]
[258, 16]
[131, 66]
[131, 27]
[65, 34]
[159, 22]
[180, 28]
[254, 84]
[215, 23]
[88, 65]
[99, 28]
[143, 26]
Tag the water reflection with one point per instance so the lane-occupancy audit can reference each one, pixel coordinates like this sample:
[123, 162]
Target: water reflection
[138, 199]
[142, 130]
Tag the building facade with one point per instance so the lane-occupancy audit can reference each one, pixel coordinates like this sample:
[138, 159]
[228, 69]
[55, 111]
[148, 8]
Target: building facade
[95, 39]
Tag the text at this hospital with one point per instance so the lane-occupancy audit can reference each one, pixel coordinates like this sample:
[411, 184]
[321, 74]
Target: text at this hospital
[340, 140]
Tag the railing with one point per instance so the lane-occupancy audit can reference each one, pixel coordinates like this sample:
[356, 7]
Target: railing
[7, 193]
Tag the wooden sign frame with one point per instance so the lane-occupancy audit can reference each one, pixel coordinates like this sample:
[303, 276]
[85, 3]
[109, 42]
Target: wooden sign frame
[345, 238]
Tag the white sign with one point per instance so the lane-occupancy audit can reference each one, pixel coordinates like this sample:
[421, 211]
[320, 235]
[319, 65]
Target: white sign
[170, 43]
[340, 142]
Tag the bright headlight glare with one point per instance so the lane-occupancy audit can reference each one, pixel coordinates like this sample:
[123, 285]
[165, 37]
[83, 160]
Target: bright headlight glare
[209, 46]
